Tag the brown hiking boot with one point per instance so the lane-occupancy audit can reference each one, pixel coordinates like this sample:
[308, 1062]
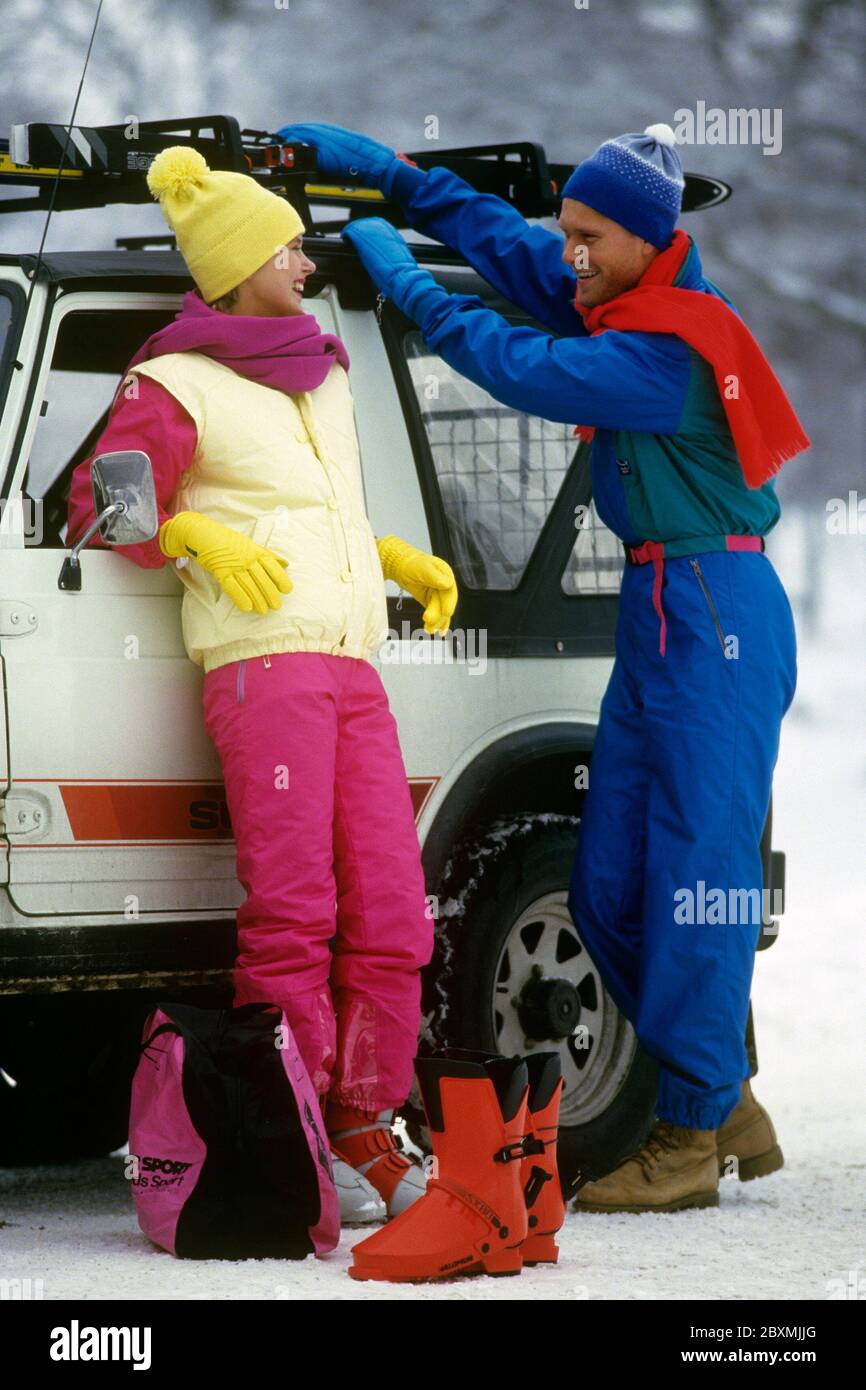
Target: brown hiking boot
[676, 1169]
[746, 1143]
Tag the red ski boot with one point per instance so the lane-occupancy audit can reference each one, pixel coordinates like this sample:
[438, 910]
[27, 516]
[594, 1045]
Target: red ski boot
[539, 1172]
[472, 1217]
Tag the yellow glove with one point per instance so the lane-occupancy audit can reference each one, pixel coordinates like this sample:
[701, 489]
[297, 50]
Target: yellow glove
[427, 578]
[251, 575]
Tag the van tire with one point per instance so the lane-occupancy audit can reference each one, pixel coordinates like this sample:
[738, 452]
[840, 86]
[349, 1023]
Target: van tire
[488, 885]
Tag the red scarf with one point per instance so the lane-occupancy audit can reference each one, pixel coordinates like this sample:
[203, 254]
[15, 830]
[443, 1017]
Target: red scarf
[761, 419]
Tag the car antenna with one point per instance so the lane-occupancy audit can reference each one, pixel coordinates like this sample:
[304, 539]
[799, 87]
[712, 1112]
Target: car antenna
[56, 183]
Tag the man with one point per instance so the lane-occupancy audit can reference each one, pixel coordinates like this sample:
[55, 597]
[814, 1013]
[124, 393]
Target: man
[689, 424]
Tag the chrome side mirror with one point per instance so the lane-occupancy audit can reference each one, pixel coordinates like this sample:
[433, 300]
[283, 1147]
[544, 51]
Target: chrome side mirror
[124, 499]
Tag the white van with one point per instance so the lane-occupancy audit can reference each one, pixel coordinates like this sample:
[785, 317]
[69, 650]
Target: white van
[117, 885]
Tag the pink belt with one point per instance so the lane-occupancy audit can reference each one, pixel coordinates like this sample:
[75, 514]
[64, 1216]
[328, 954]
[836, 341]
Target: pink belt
[655, 551]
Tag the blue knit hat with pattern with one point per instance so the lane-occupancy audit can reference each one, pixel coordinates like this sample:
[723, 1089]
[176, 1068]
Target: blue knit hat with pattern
[637, 180]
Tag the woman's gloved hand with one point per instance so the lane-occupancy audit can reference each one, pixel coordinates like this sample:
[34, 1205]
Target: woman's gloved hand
[344, 154]
[252, 576]
[427, 578]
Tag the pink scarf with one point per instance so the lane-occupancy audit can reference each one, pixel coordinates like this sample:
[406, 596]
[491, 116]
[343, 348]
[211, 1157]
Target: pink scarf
[288, 352]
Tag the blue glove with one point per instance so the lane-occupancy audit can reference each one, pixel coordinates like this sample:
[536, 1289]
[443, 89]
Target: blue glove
[392, 267]
[343, 154]
[381, 248]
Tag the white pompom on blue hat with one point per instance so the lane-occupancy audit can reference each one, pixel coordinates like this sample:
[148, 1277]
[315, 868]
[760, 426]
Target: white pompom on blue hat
[637, 180]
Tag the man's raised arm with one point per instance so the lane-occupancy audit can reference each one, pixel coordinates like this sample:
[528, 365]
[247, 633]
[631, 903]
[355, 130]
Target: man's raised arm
[520, 260]
[523, 261]
[634, 381]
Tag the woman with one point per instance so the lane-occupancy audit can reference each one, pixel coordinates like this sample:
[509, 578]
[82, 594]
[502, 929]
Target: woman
[245, 410]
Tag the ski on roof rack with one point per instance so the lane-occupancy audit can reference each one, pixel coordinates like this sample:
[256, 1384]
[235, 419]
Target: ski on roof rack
[102, 165]
[123, 149]
[96, 166]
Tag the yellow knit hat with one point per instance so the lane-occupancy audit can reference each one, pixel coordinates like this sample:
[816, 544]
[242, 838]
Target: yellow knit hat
[226, 224]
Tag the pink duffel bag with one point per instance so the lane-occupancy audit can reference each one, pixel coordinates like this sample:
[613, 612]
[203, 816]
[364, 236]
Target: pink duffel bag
[228, 1155]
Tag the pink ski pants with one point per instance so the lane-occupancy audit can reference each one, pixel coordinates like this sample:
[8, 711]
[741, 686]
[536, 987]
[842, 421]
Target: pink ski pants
[326, 849]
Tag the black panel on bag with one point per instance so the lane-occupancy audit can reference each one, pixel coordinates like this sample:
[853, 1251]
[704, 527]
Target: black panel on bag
[258, 1192]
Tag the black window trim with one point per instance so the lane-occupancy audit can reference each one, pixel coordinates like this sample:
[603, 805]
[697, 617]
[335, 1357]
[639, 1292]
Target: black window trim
[30, 394]
[9, 356]
[536, 618]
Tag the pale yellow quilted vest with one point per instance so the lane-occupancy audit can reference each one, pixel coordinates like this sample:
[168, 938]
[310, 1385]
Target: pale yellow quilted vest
[285, 470]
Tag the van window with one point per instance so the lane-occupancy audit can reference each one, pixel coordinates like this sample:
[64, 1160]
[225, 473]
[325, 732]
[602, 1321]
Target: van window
[595, 564]
[5, 321]
[9, 296]
[91, 354]
[499, 472]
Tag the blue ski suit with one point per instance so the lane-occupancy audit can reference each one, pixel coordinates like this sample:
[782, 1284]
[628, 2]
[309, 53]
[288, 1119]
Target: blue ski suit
[667, 878]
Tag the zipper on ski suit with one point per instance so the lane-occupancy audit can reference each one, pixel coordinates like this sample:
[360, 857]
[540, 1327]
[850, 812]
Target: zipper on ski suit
[699, 574]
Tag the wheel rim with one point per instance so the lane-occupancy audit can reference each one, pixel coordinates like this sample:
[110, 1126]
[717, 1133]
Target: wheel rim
[542, 960]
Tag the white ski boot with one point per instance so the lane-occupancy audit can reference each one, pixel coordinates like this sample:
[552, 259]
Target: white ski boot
[366, 1141]
[360, 1203]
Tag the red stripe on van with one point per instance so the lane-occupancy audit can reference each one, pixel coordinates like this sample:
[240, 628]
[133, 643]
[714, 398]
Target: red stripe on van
[146, 811]
[127, 812]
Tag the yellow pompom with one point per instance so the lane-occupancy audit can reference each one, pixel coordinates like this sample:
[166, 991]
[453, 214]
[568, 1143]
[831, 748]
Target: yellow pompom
[175, 171]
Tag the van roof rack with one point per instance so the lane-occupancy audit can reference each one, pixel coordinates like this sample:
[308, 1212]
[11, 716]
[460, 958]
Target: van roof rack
[97, 166]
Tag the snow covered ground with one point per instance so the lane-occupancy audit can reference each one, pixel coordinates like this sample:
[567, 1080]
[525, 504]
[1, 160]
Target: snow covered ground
[793, 1234]
[797, 1234]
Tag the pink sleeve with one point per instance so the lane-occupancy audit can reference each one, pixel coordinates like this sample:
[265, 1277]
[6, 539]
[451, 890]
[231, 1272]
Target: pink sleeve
[156, 422]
